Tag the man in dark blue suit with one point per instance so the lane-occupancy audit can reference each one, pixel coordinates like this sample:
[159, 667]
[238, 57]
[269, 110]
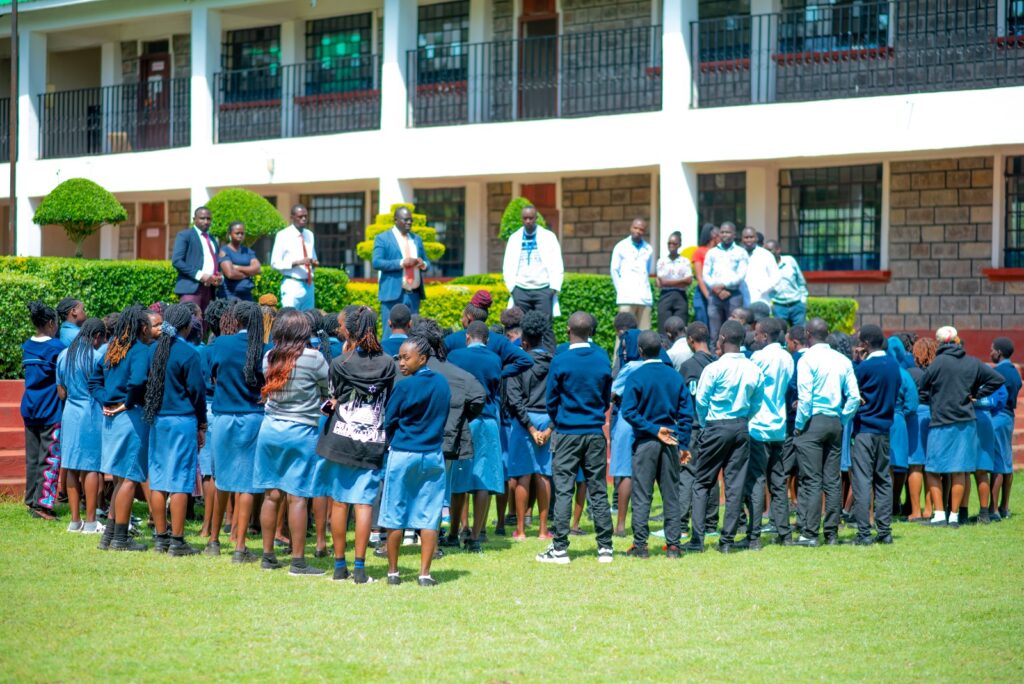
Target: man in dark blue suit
[195, 260]
[399, 256]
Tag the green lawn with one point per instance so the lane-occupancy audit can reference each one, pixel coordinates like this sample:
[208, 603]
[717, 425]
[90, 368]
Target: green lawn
[939, 605]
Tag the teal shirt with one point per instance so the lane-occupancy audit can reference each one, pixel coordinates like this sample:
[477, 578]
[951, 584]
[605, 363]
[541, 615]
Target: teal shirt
[776, 365]
[825, 386]
[729, 388]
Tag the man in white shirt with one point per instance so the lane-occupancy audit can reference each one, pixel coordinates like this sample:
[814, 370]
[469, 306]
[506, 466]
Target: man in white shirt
[533, 270]
[725, 267]
[762, 271]
[294, 256]
[679, 351]
[632, 267]
[674, 276]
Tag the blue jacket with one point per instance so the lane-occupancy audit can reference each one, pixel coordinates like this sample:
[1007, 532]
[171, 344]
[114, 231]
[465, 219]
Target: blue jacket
[513, 359]
[656, 397]
[579, 389]
[484, 365]
[187, 260]
[415, 416]
[387, 258]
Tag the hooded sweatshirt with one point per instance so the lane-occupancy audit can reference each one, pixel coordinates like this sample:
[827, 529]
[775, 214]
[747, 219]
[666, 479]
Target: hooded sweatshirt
[953, 381]
[524, 393]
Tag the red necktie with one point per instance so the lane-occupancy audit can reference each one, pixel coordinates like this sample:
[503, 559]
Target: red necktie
[410, 274]
[305, 255]
[209, 246]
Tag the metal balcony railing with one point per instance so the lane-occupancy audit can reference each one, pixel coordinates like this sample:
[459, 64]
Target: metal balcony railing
[571, 75]
[5, 129]
[130, 117]
[858, 49]
[315, 98]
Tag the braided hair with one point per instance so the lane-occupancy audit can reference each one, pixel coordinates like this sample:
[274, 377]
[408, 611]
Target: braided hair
[212, 316]
[129, 327]
[229, 319]
[41, 314]
[420, 343]
[65, 306]
[250, 318]
[428, 329]
[79, 356]
[290, 334]
[362, 331]
[177, 317]
[316, 325]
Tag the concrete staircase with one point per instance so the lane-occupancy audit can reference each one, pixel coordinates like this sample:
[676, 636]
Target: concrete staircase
[12, 439]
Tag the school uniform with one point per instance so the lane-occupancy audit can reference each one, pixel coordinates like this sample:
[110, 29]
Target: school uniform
[917, 427]
[513, 359]
[81, 422]
[656, 397]
[1002, 422]
[485, 472]
[173, 445]
[691, 371]
[126, 435]
[984, 410]
[906, 413]
[391, 345]
[525, 403]
[577, 396]
[621, 462]
[68, 332]
[730, 392]
[414, 476]
[879, 381]
[237, 414]
[207, 467]
[286, 447]
[40, 411]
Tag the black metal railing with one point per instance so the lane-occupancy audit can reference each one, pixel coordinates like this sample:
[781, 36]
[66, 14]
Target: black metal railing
[854, 50]
[5, 130]
[315, 98]
[130, 117]
[571, 75]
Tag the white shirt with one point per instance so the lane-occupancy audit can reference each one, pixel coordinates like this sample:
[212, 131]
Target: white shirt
[532, 273]
[288, 249]
[679, 352]
[408, 247]
[761, 278]
[208, 261]
[776, 365]
[549, 251]
[725, 266]
[631, 269]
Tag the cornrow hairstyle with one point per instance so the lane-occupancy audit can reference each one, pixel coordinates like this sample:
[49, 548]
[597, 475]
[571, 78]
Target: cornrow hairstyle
[534, 325]
[129, 325]
[65, 306]
[79, 356]
[250, 318]
[362, 331]
[290, 334]
[212, 316]
[228, 321]
[429, 330]
[41, 314]
[421, 344]
[179, 316]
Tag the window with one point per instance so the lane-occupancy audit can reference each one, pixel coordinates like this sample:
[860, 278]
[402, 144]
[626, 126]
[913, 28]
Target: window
[724, 30]
[722, 197]
[1013, 252]
[443, 31]
[257, 53]
[339, 223]
[806, 26]
[445, 209]
[831, 219]
[1015, 17]
[338, 51]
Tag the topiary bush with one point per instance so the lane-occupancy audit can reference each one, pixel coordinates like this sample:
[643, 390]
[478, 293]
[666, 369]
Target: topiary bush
[512, 217]
[385, 222]
[237, 204]
[17, 290]
[80, 207]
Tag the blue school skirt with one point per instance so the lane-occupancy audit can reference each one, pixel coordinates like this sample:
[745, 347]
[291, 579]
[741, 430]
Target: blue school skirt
[525, 457]
[173, 450]
[844, 453]
[484, 471]
[413, 491]
[232, 438]
[899, 443]
[622, 448]
[347, 484]
[81, 435]
[952, 448]
[1002, 426]
[986, 451]
[918, 428]
[286, 457]
[126, 445]
[206, 457]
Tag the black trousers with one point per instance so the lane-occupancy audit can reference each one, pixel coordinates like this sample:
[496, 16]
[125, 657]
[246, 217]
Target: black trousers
[568, 454]
[654, 460]
[542, 300]
[719, 311]
[869, 473]
[42, 466]
[724, 448]
[672, 303]
[767, 465]
[687, 473]
[818, 450]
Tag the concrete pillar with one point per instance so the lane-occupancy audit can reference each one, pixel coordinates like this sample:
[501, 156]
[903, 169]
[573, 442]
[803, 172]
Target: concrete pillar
[764, 34]
[676, 43]
[883, 247]
[198, 196]
[31, 83]
[479, 92]
[678, 194]
[206, 40]
[293, 51]
[758, 201]
[393, 190]
[110, 75]
[998, 209]
[400, 25]
[109, 239]
[475, 247]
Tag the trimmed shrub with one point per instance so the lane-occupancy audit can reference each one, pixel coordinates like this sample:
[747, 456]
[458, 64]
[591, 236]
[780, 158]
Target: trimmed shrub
[840, 314]
[330, 286]
[479, 279]
[385, 222]
[17, 290]
[444, 302]
[80, 207]
[512, 217]
[237, 204]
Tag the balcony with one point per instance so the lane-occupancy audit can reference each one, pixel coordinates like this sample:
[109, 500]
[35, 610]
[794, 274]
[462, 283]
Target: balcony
[857, 50]
[571, 75]
[315, 98]
[131, 117]
[5, 129]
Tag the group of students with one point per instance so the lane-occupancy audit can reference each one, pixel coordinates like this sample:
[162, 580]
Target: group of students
[281, 411]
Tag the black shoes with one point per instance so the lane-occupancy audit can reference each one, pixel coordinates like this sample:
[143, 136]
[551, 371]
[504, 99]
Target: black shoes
[212, 549]
[786, 540]
[883, 539]
[320, 553]
[161, 542]
[863, 541]
[448, 542]
[748, 544]
[270, 562]
[832, 541]
[127, 545]
[179, 548]
[727, 547]
[394, 580]
[427, 582]
[359, 576]
[300, 569]
[693, 547]
[673, 551]
[243, 556]
[638, 551]
[473, 546]
[340, 575]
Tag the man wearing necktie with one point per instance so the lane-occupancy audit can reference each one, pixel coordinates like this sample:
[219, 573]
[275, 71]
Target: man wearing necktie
[195, 260]
[294, 255]
[399, 256]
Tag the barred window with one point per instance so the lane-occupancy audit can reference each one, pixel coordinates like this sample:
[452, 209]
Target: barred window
[339, 223]
[724, 30]
[257, 52]
[830, 219]
[1015, 17]
[722, 197]
[1013, 252]
[442, 28]
[339, 52]
[812, 27]
[445, 209]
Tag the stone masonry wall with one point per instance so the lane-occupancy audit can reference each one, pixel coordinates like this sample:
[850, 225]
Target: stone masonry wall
[581, 16]
[126, 233]
[596, 213]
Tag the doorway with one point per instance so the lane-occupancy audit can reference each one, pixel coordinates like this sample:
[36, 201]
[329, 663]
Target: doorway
[544, 196]
[538, 60]
[154, 98]
[151, 234]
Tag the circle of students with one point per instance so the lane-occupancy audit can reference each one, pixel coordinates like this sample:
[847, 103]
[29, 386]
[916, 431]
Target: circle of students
[275, 409]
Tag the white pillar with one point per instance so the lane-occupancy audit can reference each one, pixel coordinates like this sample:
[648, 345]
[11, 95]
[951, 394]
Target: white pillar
[764, 33]
[678, 194]
[110, 75]
[479, 20]
[400, 26]
[757, 201]
[205, 64]
[676, 69]
[475, 247]
[109, 239]
[198, 196]
[31, 82]
[393, 190]
[293, 51]
[998, 209]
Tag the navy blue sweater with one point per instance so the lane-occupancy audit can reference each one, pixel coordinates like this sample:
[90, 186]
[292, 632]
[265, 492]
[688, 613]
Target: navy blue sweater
[125, 383]
[879, 380]
[1011, 376]
[392, 344]
[226, 369]
[416, 412]
[513, 359]
[656, 397]
[184, 385]
[484, 365]
[40, 404]
[579, 389]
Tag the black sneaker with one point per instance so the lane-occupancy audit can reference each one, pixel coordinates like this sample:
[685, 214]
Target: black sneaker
[553, 555]
[483, 537]
[727, 547]
[810, 542]
[161, 542]
[438, 553]
[673, 551]
[270, 563]
[426, 581]
[359, 576]
[984, 518]
[127, 545]
[498, 531]
[786, 540]
[748, 544]
[447, 541]
[394, 580]
[473, 546]
[320, 553]
[243, 556]
[340, 574]
[638, 551]
[212, 549]
[178, 549]
[832, 540]
[303, 570]
[863, 541]
[106, 537]
[883, 539]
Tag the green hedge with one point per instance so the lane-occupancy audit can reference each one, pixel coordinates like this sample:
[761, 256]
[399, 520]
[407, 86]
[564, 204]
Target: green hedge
[16, 291]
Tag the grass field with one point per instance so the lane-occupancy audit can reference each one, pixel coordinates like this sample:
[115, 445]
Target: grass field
[938, 605]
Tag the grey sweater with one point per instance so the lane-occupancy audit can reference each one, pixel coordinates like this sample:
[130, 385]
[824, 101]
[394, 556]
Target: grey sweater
[300, 399]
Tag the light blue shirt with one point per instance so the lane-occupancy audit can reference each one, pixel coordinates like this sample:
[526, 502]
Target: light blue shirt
[726, 267]
[825, 386]
[776, 365]
[731, 387]
[791, 286]
[68, 332]
[619, 383]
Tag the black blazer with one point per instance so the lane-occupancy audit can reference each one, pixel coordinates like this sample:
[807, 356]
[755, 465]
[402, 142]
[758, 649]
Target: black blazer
[187, 260]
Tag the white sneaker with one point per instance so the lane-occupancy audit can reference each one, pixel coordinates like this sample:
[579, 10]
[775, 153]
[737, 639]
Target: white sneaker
[75, 526]
[374, 538]
[98, 529]
[660, 534]
[605, 555]
[553, 555]
[409, 539]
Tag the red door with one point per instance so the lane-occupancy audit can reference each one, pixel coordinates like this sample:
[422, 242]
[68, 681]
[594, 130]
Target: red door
[544, 197]
[154, 102]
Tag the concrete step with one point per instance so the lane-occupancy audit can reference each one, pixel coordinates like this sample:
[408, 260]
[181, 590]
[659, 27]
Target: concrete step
[13, 438]
[12, 464]
[10, 414]
[12, 487]
[11, 390]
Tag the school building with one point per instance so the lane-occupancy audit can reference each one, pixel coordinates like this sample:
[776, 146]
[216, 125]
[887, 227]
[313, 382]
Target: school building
[881, 141]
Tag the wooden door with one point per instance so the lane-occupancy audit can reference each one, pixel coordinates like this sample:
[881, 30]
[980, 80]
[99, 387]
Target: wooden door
[544, 197]
[154, 102]
[538, 60]
[151, 235]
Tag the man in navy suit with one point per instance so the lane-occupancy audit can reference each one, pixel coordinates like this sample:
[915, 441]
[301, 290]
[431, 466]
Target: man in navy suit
[195, 260]
[399, 256]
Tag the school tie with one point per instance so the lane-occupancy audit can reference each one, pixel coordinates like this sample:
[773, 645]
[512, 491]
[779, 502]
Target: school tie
[305, 255]
[212, 251]
[409, 271]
